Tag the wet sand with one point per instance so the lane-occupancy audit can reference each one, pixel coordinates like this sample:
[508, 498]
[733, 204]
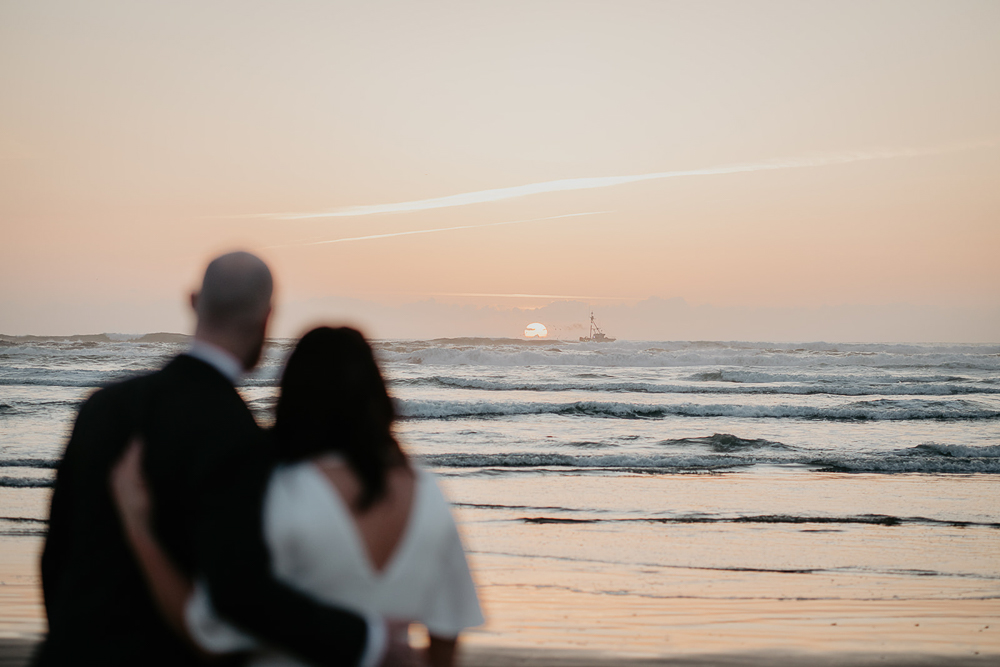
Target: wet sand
[542, 658]
[17, 653]
[531, 626]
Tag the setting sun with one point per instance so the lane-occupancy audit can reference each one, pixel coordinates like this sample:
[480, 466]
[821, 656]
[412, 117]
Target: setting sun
[536, 330]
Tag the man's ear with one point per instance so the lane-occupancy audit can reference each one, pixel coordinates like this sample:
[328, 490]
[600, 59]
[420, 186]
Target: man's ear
[266, 322]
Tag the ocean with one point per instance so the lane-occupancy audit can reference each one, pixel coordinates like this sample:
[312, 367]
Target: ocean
[643, 497]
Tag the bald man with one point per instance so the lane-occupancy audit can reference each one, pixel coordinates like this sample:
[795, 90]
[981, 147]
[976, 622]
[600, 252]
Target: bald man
[207, 464]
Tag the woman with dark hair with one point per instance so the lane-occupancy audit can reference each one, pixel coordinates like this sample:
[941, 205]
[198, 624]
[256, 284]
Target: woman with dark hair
[347, 518]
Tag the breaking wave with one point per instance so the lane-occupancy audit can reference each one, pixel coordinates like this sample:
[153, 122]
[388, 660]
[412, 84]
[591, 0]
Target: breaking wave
[28, 463]
[807, 386]
[644, 354]
[730, 452]
[26, 482]
[883, 409]
[953, 451]
[605, 462]
[928, 457]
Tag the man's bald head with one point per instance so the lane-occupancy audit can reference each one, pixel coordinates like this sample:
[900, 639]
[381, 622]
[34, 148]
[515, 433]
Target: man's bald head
[235, 293]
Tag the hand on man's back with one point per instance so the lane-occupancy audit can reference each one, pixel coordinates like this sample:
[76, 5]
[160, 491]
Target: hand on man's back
[399, 653]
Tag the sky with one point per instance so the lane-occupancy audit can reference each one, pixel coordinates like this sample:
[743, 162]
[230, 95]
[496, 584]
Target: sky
[808, 170]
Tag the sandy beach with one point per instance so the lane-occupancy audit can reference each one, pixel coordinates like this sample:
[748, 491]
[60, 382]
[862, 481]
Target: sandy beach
[17, 652]
[528, 628]
[542, 658]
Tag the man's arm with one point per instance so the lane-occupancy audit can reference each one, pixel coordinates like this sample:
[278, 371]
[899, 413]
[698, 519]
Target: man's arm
[169, 587]
[233, 557]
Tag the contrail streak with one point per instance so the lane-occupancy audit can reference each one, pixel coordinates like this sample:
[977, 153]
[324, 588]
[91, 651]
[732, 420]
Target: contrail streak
[567, 184]
[439, 229]
[539, 296]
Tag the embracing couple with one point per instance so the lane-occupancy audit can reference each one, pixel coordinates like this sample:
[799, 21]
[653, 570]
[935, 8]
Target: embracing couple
[209, 539]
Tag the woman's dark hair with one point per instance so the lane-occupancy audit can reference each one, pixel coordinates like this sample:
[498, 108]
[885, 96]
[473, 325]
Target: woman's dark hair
[333, 399]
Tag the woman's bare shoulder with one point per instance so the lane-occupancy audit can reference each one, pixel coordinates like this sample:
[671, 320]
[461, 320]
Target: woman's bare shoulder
[399, 482]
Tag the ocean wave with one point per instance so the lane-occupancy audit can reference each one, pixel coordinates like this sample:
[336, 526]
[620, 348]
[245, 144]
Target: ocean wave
[35, 406]
[29, 463]
[896, 466]
[978, 460]
[642, 354]
[515, 352]
[835, 376]
[91, 378]
[26, 482]
[739, 383]
[726, 442]
[125, 354]
[847, 387]
[22, 527]
[924, 458]
[953, 451]
[862, 519]
[876, 410]
[32, 377]
[593, 461]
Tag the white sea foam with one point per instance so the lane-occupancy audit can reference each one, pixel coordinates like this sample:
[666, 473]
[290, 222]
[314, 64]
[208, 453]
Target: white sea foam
[18, 462]
[953, 451]
[801, 385]
[607, 461]
[26, 482]
[672, 462]
[656, 355]
[882, 409]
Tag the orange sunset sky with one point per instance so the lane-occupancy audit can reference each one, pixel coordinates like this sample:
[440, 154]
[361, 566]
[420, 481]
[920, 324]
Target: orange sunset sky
[835, 163]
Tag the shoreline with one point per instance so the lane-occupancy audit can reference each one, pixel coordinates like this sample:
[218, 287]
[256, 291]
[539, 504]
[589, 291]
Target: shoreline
[504, 657]
[16, 652]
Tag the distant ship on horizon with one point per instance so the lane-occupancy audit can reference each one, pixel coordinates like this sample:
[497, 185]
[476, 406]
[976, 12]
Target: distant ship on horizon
[596, 335]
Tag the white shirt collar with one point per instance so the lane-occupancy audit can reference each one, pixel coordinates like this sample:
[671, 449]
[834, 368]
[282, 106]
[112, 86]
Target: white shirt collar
[221, 360]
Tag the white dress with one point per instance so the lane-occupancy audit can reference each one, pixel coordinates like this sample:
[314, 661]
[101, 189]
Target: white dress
[316, 548]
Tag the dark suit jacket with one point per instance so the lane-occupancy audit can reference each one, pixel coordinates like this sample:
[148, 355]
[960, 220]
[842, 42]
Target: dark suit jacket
[207, 463]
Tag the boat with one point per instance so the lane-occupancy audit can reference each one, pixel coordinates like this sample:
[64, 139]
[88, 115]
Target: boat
[596, 335]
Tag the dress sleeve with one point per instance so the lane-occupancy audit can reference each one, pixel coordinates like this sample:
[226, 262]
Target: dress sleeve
[453, 605]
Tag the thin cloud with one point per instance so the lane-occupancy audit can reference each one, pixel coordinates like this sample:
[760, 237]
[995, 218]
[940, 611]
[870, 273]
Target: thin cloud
[568, 184]
[434, 231]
